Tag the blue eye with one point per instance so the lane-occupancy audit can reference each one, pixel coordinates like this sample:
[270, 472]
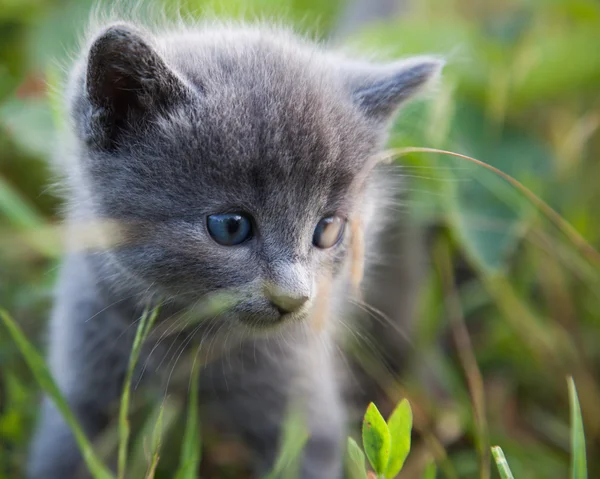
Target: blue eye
[328, 232]
[229, 229]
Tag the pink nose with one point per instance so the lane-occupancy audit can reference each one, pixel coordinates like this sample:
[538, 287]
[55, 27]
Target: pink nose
[287, 304]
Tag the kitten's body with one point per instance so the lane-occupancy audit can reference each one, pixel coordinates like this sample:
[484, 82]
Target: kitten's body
[170, 128]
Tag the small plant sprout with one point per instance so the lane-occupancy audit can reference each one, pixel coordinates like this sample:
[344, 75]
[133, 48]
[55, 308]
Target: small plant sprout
[386, 444]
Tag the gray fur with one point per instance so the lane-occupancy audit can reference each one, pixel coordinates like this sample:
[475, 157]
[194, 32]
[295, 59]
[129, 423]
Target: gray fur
[169, 127]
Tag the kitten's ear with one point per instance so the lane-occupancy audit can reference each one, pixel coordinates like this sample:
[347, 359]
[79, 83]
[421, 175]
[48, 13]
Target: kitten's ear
[126, 78]
[380, 90]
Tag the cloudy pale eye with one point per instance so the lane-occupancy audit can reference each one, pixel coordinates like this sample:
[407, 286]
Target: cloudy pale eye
[229, 229]
[328, 232]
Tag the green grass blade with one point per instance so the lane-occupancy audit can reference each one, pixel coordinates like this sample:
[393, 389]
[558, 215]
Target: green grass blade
[41, 373]
[146, 322]
[150, 443]
[430, 471]
[376, 439]
[17, 209]
[578, 455]
[295, 435]
[501, 463]
[190, 450]
[156, 443]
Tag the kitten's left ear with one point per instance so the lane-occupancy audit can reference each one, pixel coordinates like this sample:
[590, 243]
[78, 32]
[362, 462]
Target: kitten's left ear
[380, 90]
[127, 80]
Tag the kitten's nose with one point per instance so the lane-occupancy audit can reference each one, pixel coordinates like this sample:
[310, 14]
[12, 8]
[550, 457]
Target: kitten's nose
[289, 288]
[284, 301]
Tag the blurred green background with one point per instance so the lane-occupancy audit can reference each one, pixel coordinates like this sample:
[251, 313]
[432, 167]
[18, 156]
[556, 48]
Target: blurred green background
[521, 92]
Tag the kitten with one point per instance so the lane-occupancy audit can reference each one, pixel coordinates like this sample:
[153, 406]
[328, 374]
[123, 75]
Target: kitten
[220, 159]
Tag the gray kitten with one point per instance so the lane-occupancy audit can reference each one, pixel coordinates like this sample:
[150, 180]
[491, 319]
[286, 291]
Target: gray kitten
[225, 159]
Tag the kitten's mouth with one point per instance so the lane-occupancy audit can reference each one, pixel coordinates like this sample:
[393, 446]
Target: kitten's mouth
[271, 318]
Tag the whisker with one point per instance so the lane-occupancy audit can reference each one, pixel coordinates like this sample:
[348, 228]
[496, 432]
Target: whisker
[181, 350]
[382, 317]
[163, 337]
[378, 353]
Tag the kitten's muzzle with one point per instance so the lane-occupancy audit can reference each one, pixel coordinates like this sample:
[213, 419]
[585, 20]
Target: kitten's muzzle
[291, 289]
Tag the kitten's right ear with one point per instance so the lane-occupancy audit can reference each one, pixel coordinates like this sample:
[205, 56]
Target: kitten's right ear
[126, 79]
[379, 91]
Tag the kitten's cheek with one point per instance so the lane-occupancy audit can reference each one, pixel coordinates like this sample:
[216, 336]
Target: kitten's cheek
[333, 261]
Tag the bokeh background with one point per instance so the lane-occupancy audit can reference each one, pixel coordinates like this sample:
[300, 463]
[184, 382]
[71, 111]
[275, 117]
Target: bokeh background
[521, 92]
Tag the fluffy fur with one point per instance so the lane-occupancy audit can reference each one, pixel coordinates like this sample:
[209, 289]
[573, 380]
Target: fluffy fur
[168, 127]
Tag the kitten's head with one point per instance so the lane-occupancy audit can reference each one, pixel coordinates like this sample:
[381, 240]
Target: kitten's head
[232, 158]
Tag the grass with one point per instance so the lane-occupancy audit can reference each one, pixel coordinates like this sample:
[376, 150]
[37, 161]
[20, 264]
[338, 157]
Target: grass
[145, 326]
[578, 452]
[40, 371]
[386, 444]
[578, 448]
[190, 451]
[501, 463]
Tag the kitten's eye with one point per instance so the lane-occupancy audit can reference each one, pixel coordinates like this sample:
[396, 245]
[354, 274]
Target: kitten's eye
[328, 232]
[229, 229]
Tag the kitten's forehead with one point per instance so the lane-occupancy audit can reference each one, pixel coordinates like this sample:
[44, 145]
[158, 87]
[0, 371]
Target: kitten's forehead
[265, 118]
[269, 157]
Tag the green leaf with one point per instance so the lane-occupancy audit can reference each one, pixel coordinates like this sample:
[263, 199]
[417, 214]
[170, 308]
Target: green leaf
[430, 471]
[41, 373]
[189, 460]
[579, 464]
[355, 461]
[400, 426]
[376, 439]
[501, 463]
[295, 435]
[486, 213]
